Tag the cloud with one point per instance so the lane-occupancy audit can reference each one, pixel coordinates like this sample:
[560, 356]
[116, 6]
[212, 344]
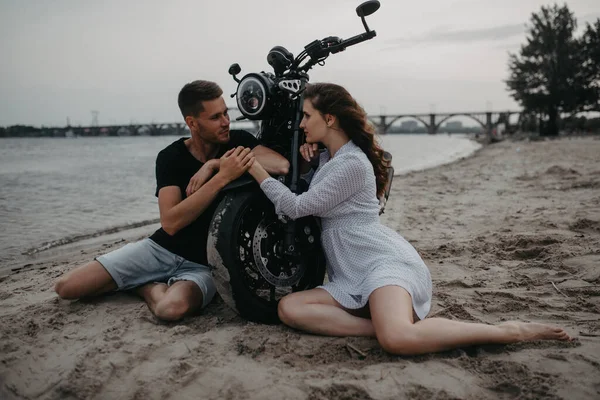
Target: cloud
[446, 36]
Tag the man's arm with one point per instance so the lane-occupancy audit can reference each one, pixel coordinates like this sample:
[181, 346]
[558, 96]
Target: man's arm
[176, 214]
[273, 162]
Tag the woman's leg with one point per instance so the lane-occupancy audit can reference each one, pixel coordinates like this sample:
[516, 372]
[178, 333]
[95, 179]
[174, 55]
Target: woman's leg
[315, 311]
[392, 316]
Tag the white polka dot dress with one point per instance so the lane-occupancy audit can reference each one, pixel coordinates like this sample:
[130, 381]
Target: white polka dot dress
[362, 254]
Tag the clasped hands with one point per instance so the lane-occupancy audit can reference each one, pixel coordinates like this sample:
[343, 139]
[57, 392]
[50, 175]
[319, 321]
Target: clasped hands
[230, 166]
[239, 160]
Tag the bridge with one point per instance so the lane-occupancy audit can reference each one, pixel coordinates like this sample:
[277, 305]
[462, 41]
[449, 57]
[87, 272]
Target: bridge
[144, 129]
[488, 120]
[433, 121]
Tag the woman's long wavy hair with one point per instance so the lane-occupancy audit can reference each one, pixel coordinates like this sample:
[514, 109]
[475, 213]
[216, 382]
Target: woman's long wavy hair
[329, 98]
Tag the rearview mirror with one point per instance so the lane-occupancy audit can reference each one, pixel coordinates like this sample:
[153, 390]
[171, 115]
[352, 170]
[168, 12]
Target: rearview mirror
[367, 8]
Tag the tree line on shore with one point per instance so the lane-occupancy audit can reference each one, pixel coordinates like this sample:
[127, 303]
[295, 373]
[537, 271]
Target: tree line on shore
[555, 76]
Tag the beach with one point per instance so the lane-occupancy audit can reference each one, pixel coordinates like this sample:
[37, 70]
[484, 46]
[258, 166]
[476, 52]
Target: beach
[511, 232]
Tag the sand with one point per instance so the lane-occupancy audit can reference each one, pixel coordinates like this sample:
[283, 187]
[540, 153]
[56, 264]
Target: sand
[512, 232]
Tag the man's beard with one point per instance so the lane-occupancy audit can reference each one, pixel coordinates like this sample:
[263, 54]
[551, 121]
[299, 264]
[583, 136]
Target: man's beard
[216, 138]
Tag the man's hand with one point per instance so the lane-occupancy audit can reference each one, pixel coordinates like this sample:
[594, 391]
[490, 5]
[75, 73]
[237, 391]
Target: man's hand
[202, 176]
[235, 162]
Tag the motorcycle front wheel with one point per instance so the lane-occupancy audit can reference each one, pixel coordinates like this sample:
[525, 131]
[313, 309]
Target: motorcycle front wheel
[245, 249]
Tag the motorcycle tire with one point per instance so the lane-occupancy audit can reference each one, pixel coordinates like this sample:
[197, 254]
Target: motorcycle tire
[250, 274]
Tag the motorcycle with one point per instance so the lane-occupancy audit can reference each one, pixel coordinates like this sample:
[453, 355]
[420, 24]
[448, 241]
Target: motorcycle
[258, 256]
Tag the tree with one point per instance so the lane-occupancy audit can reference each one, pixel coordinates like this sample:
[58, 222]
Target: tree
[590, 46]
[546, 78]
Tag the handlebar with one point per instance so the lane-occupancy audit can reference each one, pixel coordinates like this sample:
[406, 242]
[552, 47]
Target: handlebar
[319, 50]
[352, 41]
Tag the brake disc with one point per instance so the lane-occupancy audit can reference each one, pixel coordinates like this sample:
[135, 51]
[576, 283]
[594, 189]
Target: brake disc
[278, 270]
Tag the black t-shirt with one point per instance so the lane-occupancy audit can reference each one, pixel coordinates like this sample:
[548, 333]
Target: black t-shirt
[175, 166]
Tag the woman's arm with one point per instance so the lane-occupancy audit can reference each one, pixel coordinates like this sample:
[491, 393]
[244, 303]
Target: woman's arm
[344, 177]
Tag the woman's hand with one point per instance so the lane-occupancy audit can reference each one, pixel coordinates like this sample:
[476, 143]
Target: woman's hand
[310, 152]
[202, 176]
[258, 172]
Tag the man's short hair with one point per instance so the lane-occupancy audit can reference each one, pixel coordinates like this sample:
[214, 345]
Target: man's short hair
[194, 93]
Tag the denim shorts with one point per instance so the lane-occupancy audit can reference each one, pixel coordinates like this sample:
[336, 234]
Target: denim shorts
[145, 261]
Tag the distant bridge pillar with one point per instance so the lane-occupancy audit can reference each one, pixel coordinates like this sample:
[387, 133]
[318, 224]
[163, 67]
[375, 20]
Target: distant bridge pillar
[179, 129]
[432, 129]
[113, 130]
[488, 123]
[382, 125]
[154, 130]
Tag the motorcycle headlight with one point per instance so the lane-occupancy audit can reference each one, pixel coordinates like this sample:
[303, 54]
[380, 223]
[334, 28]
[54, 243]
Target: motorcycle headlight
[254, 95]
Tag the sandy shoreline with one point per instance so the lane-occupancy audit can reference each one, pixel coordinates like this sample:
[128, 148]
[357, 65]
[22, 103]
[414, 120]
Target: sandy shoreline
[512, 232]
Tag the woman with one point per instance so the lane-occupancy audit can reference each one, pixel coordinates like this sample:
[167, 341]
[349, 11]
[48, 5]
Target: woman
[373, 272]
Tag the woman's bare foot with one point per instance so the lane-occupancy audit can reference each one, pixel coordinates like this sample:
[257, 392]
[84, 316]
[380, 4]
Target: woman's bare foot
[527, 331]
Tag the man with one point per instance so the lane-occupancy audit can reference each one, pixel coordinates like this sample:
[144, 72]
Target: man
[170, 269]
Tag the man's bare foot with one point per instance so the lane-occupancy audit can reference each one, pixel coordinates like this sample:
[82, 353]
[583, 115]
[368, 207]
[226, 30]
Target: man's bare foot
[529, 331]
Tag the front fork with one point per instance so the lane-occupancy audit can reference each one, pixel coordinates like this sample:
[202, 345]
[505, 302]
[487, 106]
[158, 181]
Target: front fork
[289, 247]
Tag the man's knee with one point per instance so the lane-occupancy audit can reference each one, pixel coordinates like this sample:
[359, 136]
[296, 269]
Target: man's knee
[90, 279]
[172, 310]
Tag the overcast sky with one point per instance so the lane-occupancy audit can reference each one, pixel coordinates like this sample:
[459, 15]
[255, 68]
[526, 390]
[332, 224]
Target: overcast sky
[128, 59]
